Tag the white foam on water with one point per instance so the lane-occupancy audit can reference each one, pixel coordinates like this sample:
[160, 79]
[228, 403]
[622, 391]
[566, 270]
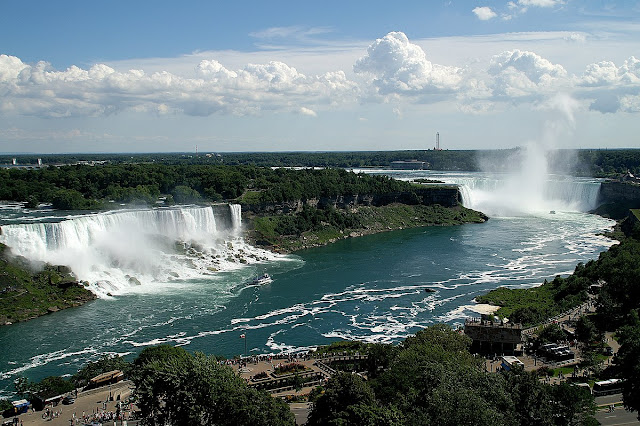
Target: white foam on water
[44, 359]
[139, 250]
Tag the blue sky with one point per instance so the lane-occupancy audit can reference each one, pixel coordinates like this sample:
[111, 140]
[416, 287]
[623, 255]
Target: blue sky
[85, 76]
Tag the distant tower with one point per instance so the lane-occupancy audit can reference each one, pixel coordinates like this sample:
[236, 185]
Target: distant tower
[14, 161]
[196, 150]
[437, 141]
[39, 161]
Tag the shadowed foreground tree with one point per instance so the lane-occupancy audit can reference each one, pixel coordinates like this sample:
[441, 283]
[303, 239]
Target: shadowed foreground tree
[348, 400]
[432, 379]
[176, 388]
[628, 360]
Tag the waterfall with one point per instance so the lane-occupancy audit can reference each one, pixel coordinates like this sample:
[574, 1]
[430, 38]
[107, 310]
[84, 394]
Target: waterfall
[499, 195]
[236, 216]
[116, 251]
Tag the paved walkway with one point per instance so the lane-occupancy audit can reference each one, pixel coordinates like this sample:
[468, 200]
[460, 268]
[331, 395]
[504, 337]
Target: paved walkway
[88, 402]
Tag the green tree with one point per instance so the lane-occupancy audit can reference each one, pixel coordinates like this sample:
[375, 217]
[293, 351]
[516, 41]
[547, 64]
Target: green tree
[590, 360]
[174, 387]
[32, 202]
[22, 386]
[530, 398]
[102, 365]
[348, 400]
[628, 361]
[185, 194]
[379, 358]
[5, 405]
[70, 199]
[52, 386]
[552, 333]
[586, 331]
[572, 405]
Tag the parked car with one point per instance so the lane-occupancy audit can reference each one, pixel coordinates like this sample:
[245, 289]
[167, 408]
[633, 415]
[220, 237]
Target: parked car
[68, 400]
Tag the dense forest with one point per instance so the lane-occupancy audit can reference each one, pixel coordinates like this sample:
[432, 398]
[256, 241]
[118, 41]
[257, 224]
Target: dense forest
[587, 162]
[80, 187]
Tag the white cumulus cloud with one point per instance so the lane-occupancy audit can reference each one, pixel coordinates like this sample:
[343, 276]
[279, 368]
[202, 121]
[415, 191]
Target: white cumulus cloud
[610, 87]
[399, 67]
[519, 73]
[484, 13]
[307, 111]
[41, 91]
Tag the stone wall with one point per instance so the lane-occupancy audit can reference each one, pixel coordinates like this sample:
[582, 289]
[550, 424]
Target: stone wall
[619, 192]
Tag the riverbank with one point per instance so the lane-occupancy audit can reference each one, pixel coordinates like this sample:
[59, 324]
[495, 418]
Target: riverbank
[368, 220]
[532, 306]
[26, 294]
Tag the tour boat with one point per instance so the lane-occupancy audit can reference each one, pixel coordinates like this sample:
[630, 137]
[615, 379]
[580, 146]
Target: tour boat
[262, 279]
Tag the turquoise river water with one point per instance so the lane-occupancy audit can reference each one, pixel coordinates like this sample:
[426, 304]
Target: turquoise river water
[192, 275]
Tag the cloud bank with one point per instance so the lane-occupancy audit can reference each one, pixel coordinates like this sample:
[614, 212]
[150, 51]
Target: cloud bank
[392, 69]
[41, 91]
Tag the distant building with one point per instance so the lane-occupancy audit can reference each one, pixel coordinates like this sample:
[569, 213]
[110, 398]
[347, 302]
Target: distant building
[408, 165]
[493, 337]
[629, 177]
[107, 378]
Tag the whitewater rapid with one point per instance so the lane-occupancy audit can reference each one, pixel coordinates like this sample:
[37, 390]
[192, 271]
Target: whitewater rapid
[115, 252]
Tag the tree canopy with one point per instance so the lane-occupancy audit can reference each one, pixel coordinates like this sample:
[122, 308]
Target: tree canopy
[431, 378]
[175, 387]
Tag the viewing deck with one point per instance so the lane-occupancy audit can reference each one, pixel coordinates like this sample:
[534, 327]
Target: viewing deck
[493, 336]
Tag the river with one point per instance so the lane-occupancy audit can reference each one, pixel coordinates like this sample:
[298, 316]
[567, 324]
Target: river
[198, 293]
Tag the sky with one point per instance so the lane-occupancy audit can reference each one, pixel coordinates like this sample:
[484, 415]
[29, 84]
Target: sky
[168, 76]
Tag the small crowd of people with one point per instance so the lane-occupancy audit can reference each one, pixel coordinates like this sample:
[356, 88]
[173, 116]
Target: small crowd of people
[102, 415]
[50, 413]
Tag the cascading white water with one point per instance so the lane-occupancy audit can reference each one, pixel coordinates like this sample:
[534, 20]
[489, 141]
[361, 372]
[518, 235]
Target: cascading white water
[116, 251]
[236, 217]
[498, 195]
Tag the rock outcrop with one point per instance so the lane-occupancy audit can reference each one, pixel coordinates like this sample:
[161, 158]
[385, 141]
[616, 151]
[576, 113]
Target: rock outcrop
[446, 196]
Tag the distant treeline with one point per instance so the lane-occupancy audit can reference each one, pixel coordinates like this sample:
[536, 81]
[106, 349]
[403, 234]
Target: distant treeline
[587, 162]
[86, 187]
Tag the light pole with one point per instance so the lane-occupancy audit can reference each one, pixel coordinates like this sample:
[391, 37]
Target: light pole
[244, 337]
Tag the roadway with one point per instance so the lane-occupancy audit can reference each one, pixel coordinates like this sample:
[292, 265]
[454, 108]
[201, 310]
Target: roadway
[619, 416]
